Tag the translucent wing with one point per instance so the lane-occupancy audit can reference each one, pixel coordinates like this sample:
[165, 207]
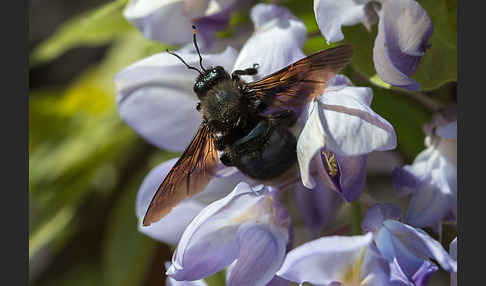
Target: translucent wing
[302, 81]
[189, 176]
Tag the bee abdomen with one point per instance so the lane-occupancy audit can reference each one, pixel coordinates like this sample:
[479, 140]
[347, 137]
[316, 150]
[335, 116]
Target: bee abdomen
[266, 152]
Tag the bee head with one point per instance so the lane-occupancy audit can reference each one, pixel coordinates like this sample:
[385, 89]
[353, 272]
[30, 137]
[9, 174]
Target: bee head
[205, 81]
[207, 77]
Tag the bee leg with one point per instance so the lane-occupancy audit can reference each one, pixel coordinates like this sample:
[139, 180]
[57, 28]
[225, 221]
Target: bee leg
[284, 117]
[226, 159]
[249, 71]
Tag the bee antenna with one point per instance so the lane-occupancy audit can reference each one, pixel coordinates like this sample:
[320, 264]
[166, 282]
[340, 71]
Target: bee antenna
[188, 66]
[195, 45]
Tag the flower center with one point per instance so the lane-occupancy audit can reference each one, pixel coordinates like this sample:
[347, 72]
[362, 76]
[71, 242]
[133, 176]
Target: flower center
[330, 163]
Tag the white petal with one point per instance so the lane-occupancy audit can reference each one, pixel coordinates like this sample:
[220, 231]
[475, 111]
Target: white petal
[156, 20]
[331, 15]
[276, 42]
[324, 260]
[155, 97]
[351, 126]
[310, 141]
[407, 24]
[261, 253]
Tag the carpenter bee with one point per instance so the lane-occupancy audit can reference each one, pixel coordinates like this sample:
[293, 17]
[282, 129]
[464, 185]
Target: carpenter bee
[247, 123]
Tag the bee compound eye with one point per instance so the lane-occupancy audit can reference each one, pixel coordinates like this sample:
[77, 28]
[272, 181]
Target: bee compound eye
[198, 106]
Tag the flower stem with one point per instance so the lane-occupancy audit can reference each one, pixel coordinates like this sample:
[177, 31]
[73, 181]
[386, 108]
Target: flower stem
[356, 217]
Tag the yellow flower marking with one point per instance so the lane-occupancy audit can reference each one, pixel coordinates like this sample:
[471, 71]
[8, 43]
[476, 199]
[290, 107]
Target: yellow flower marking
[352, 276]
[331, 163]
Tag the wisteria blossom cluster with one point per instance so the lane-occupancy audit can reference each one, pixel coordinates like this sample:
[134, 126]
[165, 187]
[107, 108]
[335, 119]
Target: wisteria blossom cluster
[246, 228]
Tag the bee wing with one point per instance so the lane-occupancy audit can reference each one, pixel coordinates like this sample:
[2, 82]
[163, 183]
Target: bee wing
[189, 176]
[302, 81]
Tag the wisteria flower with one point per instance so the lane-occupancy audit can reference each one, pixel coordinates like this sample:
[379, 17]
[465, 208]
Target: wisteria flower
[248, 226]
[453, 254]
[432, 178]
[404, 29]
[156, 19]
[349, 260]
[340, 130]
[407, 249]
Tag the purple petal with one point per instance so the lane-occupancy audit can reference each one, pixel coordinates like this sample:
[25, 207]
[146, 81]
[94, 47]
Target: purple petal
[278, 281]
[397, 277]
[404, 181]
[423, 275]
[403, 32]
[261, 253]
[331, 15]
[324, 260]
[428, 205]
[433, 180]
[393, 250]
[208, 26]
[377, 214]
[317, 206]
[448, 131]
[420, 244]
[155, 97]
[276, 42]
[410, 177]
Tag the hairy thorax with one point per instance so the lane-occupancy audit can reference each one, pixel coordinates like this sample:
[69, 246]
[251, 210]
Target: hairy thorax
[222, 105]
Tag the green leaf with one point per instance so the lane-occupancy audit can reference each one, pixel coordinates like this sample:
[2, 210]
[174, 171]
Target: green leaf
[439, 64]
[217, 279]
[407, 117]
[91, 28]
[50, 229]
[363, 42]
[127, 252]
[82, 274]
[77, 141]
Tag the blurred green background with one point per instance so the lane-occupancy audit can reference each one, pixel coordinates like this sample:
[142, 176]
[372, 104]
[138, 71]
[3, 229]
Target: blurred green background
[85, 164]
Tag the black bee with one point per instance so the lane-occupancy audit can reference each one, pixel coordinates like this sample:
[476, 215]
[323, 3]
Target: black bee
[247, 122]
